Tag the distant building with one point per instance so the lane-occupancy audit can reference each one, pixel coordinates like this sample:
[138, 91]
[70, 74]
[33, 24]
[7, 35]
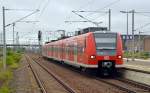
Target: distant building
[141, 42]
[147, 44]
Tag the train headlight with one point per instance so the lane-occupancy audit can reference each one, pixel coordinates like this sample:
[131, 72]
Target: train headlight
[92, 57]
[120, 57]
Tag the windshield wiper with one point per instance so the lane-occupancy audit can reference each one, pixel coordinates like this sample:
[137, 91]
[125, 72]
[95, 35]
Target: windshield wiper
[106, 48]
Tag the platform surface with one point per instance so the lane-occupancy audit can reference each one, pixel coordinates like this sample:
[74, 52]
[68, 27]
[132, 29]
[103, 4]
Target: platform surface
[139, 64]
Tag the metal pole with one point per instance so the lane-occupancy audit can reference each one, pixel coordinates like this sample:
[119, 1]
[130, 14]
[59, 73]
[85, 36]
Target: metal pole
[139, 48]
[13, 35]
[4, 41]
[127, 27]
[17, 41]
[133, 46]
[127, 36]
[109, 19]
[1, 35]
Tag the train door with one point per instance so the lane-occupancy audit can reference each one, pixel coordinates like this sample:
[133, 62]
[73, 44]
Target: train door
[61, 51]
[52, 53]
[75, 52]
[67, 52]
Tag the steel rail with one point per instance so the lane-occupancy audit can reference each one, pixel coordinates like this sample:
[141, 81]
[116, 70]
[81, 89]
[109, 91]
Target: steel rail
[41, 86]
[65, 85]
[142, 87]
[137, 85]
[117, 86]
[109, 83]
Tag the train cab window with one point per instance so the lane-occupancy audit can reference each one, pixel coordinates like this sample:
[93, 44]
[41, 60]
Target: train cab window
[106, 43]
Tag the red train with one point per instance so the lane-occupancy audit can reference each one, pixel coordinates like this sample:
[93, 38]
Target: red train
[98, 50]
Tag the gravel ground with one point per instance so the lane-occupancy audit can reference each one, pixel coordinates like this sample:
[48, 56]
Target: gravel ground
[50, 84]
[81, 83]
[24, 81]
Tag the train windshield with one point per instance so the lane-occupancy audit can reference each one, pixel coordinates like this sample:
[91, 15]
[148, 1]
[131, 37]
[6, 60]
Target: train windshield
[106, 43]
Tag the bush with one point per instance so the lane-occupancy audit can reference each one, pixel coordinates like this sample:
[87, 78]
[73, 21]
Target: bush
[14, 66]
[143, 55]
[13, 58]
[1, 65]
[6, 75]
[5, 89]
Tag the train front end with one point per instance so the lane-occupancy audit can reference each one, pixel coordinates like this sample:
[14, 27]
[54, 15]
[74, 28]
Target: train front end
[107, 52]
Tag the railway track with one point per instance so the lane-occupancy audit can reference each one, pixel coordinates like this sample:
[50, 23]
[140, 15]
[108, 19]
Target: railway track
[122, 84]
[41, 86]
[40, 83]
[125, 85]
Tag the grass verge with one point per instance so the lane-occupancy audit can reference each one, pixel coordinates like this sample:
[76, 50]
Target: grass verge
[6, 76]
[140, 55]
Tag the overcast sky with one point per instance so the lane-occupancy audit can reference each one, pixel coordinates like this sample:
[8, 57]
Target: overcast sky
[53, 13]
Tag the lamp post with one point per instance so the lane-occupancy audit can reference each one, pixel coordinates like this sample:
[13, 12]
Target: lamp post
[127, 12]
[133, 41]
[127, 31]
[13, 35]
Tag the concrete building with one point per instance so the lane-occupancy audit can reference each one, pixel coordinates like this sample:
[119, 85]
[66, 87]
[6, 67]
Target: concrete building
[147, 44]
[141, 42]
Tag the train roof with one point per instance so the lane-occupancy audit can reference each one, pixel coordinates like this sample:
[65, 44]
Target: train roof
[83, 32]
[105, 32]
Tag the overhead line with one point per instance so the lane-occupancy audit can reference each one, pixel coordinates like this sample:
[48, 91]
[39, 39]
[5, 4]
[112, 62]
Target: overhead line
[84, 17]
[42, 11]
[75, 21]
[88, 3]
[147, 24]
[143, 14]
[92, 11]
[39, 6]
[81, 16]
[83, 6]
[22, 18]
[98, 16]
[110, 4]
[20, 9]
[102, 8]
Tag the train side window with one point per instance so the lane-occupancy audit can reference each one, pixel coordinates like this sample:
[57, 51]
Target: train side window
[66, 49]
[49, 48]
[62, 49]
[71, 49]
[80, 49]
[52, 48]
[75, 50]
[56, 48]
[85, 42]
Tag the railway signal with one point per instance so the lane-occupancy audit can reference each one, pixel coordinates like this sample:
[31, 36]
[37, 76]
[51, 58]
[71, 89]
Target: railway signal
[40, 40]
